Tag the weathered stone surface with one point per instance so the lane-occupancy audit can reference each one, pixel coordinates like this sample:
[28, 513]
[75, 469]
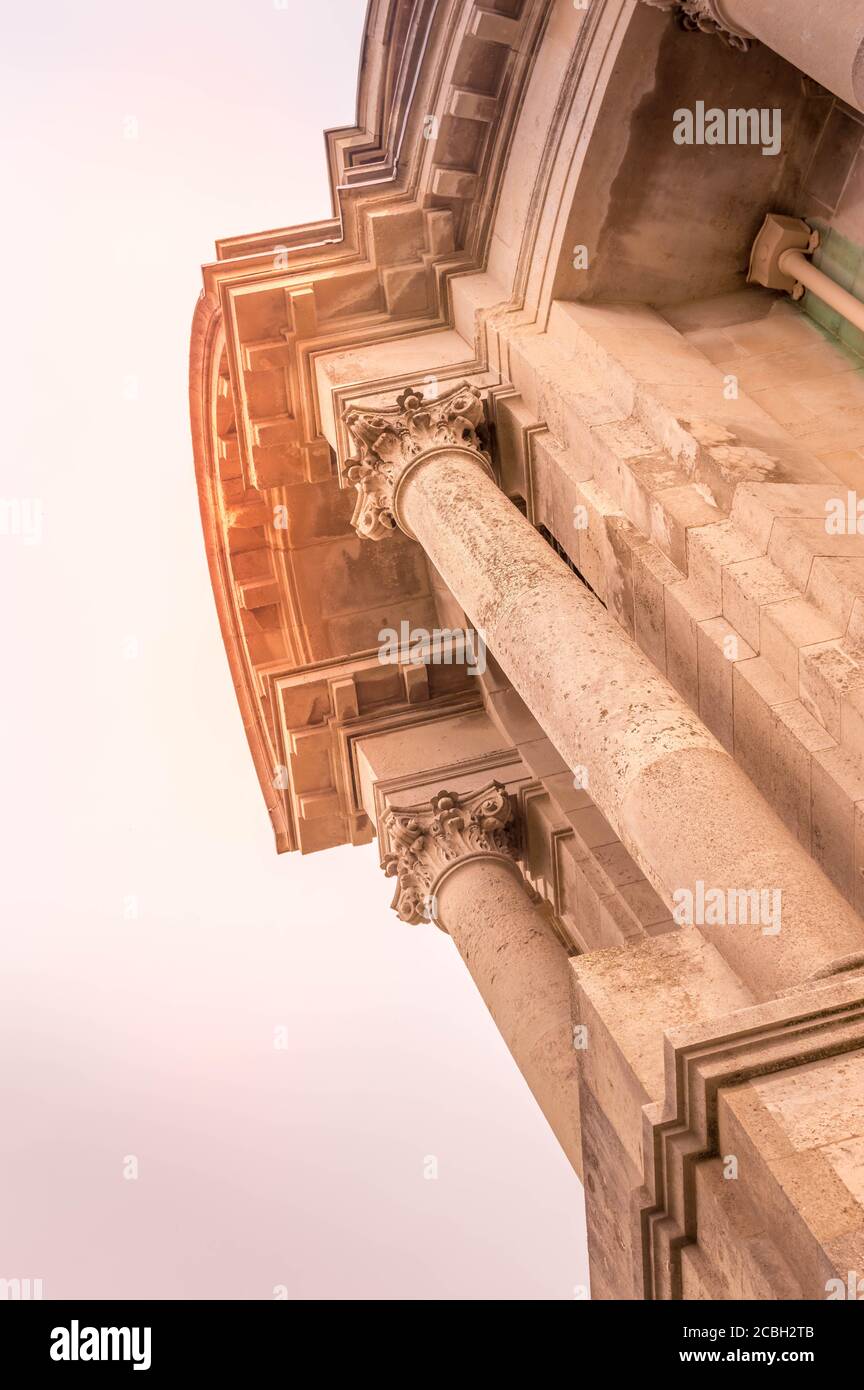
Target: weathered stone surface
[523, 350]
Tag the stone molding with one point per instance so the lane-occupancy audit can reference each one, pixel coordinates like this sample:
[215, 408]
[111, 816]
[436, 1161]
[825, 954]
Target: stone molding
[708, 16]
[431, 839]
[316, 770]
[681, 1132]
[389, 442]
[415, 184]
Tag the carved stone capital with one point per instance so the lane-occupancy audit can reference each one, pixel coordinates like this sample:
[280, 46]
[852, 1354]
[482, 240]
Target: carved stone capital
[709, 16]
[390, 441]
[431, 839]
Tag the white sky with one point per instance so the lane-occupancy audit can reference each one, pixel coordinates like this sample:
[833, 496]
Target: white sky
[128, 783]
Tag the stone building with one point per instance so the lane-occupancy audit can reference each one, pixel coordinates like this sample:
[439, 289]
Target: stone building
[530, 505]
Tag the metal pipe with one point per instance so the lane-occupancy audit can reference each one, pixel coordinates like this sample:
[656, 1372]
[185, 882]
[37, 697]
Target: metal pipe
[795, 264]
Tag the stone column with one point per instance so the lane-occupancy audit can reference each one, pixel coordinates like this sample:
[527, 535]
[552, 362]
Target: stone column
[689, 816]
[824, 40]
[455, 861]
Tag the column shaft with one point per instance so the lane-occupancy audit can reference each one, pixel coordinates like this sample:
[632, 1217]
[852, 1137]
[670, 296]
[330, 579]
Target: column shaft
[678, 801]
[521, 970]
[826, 41]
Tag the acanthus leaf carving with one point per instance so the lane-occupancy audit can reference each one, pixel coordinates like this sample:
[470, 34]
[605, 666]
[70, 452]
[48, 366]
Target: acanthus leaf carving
[707, 16]
[428, 839]
[388, 440]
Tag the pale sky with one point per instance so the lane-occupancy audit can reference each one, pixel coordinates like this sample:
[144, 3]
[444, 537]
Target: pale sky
[153, 946]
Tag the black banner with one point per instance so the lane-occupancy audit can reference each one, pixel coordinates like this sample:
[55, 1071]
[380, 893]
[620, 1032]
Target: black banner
[155, 1339]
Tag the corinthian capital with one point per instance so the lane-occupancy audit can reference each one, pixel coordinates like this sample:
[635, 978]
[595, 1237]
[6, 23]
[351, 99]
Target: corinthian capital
[709, 16]
[388, 441]
[427, 840]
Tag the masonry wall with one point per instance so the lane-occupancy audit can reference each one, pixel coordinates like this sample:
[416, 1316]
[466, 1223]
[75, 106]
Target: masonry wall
[698, 518]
